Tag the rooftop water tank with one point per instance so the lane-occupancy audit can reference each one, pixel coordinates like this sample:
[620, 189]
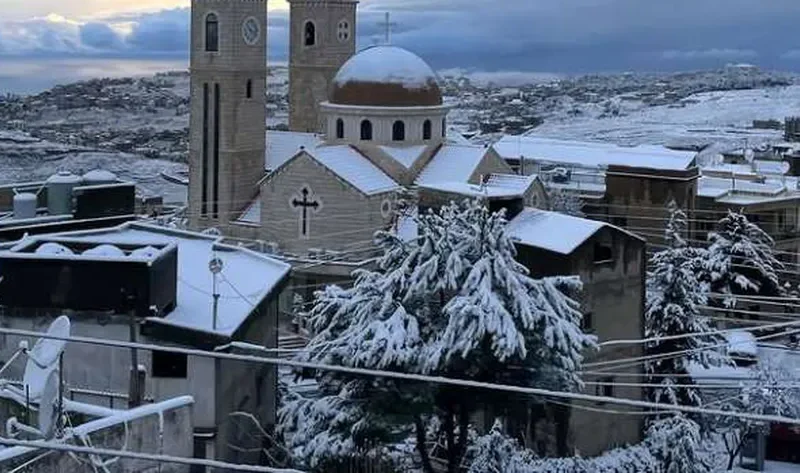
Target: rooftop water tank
[24, 205]
[99, 177]
[59, 192]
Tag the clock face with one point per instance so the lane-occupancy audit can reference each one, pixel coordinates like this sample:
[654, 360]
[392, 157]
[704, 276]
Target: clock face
[251, 31]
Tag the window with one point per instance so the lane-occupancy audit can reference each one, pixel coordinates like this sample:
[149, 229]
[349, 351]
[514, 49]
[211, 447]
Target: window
[602, 253]
[366, 130]
[343, 31]
[444, 127]
[249, 89]
[339, 128]
[426, 130]
[309, 34]
[398, 131]
[212, 33]
[169, 365]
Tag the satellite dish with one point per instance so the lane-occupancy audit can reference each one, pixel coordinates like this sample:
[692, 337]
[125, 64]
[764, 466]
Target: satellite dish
[43, 358]
[48, 412]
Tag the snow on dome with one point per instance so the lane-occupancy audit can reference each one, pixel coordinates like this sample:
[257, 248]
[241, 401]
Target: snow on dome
[51, 248]
[386, 76]
[146, 252]
[104, 250]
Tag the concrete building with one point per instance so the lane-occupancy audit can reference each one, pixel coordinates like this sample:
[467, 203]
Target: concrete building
[611, 265]
[154, 285]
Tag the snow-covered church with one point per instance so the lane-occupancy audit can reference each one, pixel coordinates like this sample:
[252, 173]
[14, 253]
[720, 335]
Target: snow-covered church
[364, 126]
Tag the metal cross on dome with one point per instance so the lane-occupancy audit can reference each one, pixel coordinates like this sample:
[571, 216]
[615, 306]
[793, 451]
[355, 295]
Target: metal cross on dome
[388, 25]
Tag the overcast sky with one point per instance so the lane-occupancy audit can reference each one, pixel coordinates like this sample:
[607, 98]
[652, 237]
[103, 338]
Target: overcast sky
[529, 35]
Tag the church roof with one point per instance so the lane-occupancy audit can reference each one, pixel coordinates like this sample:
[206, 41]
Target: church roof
[354, 168]
[452, 163]
[283, 145]
[386, 76]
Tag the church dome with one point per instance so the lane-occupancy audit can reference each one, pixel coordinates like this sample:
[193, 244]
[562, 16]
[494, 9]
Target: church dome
[386, 76]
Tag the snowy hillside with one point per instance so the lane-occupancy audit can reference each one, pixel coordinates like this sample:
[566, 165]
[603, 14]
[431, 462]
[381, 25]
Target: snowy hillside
[138, 128]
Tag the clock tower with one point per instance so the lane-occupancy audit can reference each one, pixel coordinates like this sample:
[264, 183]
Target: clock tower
[228, 65]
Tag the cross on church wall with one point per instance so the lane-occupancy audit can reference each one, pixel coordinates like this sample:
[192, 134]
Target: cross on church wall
[304, 205]
[388, 25]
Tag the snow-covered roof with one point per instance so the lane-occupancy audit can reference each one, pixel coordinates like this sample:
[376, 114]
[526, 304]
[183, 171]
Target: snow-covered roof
[252, 214]
[454, 163]
[745, 192]
[742, 342]
[498, 185]
[386, 64]
[405, 155]
[246, 279]
[283, 145]
[353, 167]
[551, 231]
[593, 154]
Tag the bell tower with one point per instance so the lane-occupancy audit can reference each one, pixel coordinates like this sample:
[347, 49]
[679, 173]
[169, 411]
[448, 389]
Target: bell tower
[322, 37]
[228, 66]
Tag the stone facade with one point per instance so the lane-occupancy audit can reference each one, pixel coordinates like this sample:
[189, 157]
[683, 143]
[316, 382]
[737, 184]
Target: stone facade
[345, 217]
[313, 66]
[227, 139]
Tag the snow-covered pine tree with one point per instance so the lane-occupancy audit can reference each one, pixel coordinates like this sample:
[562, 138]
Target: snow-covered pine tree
[741, 261]
[677, 445]
[672, 309]
[564, 202]
[455, 303]
[677, 226]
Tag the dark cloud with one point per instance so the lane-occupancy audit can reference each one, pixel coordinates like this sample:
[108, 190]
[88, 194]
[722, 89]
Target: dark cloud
[535, 35]
[100, 36]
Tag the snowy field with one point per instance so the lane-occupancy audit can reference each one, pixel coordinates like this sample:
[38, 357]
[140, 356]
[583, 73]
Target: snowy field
[724, 117]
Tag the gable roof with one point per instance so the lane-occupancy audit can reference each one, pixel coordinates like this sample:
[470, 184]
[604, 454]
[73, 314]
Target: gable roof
[452, 163]
[593, 154]
[283, 145]
[351, 166]
[551, 231]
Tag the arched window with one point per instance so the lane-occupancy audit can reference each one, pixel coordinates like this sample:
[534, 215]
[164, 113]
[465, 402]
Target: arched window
[426, 130]
[444, 127]
[398, 131]
[339, 129]
[309, 34]
[212, 33]
[366, 130]
[249, 89]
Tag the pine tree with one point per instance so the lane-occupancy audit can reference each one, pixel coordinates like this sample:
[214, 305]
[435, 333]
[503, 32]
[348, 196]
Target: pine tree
[674, 298]
[772, 390]
[453, 303]
[740, 260]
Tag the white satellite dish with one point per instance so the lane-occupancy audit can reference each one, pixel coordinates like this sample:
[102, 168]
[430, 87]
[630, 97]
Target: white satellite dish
[43, 358]
[48, 411]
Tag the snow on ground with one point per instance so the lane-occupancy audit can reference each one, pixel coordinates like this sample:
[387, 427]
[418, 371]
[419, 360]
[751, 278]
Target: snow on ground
[773, 467]
[724, 116]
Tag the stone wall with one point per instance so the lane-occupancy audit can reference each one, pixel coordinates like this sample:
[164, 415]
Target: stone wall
[312, 68]
[345, 218]
[141, 434]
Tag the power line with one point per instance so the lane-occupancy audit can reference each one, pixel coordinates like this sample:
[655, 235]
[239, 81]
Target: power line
[408, 377]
